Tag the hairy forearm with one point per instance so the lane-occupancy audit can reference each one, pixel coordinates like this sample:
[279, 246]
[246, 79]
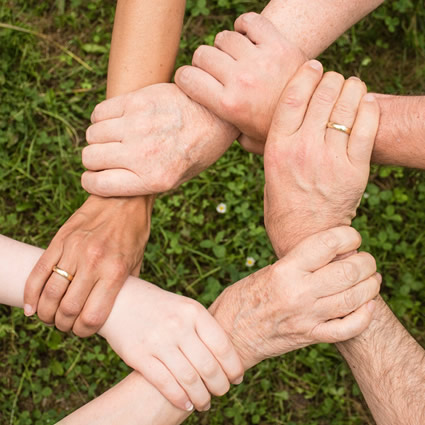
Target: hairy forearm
[389, 366]
[315, 25]
[401, 135]
[144, 44]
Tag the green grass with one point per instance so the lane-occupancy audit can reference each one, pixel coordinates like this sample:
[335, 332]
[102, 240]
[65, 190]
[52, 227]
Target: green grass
[48, 88]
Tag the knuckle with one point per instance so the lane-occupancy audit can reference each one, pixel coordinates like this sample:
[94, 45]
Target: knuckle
[246, 80]
[42, 268]
[351, 272]
[70, 308]
[189, 377]
[329, 240]
[229, 103]
[91, 319]
[325, 95]
[292, 98]
[350, 300]
[119, 270]
[343, 109]
[209, 369]
[94, 253]
[53, 291]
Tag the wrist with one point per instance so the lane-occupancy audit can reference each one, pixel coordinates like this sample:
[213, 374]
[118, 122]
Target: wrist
[139, 208]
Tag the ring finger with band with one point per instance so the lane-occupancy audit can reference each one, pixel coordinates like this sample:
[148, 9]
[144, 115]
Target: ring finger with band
[344, 114]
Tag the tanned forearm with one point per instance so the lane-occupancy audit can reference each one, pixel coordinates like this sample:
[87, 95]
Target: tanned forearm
[144, 44]
[389, 366]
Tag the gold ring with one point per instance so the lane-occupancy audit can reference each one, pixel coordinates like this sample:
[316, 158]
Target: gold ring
[63, 273]
[339, 127]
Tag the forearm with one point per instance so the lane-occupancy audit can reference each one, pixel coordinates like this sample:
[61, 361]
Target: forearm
[389, 366]
[133, 400]
[401, 135]
[314, 26]
[144, 44]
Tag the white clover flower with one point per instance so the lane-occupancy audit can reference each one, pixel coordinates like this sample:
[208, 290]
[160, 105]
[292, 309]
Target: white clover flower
[366, 195]
[221, 208]
[249, 262]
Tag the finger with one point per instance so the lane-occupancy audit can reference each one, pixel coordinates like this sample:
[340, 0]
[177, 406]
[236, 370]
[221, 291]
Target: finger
[321, 248]
[206, 365]
[349, 327]
[252, 145]
[234, 44]
[187, 377]
[105, 156]
[322, 103]
[116, 182]
[98, 305]
[344, 113]
[340, 275]
[293, 103]
[257, 28]
[106, 131]
[163, 380]
[346, 302]
[219, 344]
[55, 289]
[200, 87]
[73, 301]
[40, 275]
[215, 62]
[108, 109]
[363, 134]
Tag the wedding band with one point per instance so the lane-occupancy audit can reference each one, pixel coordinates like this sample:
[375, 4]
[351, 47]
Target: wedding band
[63, 273]
[339, 127]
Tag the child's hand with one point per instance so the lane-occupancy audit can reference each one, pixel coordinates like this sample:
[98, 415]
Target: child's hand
[241, 78]
[174, 343]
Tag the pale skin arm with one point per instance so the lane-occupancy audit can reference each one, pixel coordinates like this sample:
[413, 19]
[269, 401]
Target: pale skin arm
[132, 398]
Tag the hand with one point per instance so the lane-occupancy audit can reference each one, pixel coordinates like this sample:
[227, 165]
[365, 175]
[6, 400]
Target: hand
[315, 176]
[100, 245]
[174, 343]
[241, 78]
[151, 141]
[303, 299]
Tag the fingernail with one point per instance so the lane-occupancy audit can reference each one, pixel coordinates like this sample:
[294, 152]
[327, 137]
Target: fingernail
[208, 407]
[238, 381]
[188, 406]
[28, 310]
[369, 97]
[371, 306]
[353, 77]
[315, 64]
